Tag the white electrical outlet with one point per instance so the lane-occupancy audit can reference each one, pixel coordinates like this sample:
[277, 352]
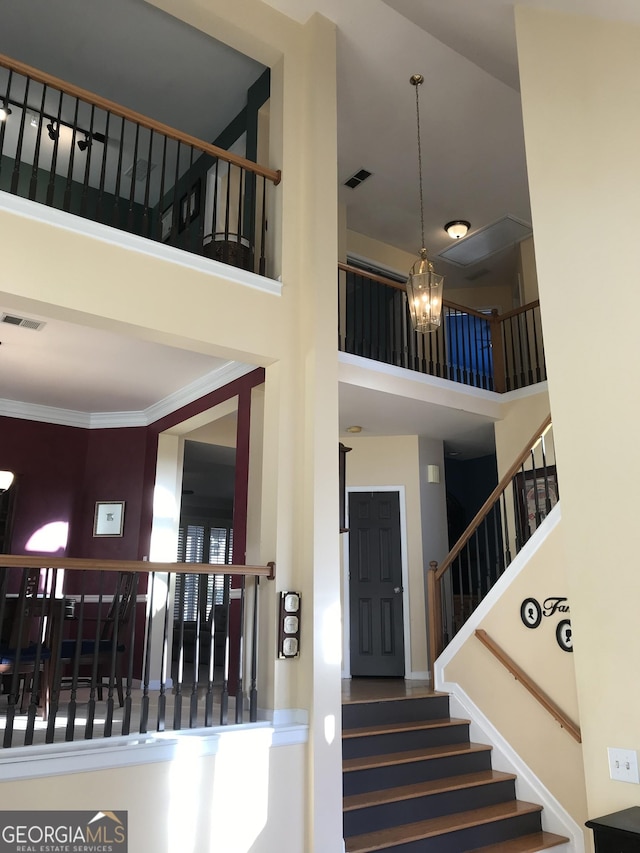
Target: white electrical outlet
[623, 765]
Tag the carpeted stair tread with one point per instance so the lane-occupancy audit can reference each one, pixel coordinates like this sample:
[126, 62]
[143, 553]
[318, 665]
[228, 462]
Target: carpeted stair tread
[424, 829]
[420, 789]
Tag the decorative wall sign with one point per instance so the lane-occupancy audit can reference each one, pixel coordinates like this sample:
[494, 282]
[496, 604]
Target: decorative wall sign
[564, 635]
[530, 613]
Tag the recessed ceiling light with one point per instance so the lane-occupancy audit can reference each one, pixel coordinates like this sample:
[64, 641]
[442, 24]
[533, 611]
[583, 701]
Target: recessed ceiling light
[457, 228]
[354, 429]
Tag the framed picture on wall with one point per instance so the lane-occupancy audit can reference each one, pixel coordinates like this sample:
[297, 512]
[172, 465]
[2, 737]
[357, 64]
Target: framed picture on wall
[535, 496]
[108, 519]
[166, 223]
[190, 206]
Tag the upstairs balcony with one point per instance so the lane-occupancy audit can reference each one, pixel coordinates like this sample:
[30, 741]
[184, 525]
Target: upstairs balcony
[67, 148]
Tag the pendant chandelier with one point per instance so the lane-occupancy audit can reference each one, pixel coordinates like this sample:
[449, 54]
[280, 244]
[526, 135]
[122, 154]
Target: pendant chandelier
[424, 286]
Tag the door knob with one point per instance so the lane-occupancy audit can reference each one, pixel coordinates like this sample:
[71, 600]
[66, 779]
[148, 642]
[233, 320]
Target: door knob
[397, 589]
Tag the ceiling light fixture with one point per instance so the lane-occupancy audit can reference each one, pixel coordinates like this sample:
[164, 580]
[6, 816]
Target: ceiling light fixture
[424, 286]
[354, 428]
[457, 229]
[5, 112]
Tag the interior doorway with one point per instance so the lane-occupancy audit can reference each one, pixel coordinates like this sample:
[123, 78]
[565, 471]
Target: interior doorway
[376, 588]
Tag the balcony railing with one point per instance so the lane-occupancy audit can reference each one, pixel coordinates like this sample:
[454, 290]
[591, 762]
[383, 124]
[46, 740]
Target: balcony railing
[92, 648]
[65, 147]
[498, 352]
[520, 502]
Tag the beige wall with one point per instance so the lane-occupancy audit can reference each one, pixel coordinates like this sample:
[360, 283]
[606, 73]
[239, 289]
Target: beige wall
[581, 132]
[553, 755]
[235, 801]
[527, 271]
[395, 461]
[105, 285]
[520, 420]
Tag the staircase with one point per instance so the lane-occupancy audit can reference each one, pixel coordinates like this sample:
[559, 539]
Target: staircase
[414, 783]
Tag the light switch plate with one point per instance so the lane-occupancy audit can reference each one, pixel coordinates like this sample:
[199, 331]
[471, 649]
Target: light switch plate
[623, 765]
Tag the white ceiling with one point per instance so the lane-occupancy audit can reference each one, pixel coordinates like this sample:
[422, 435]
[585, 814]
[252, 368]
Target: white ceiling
[473, 150]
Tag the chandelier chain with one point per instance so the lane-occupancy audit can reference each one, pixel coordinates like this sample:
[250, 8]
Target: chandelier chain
[417, 86]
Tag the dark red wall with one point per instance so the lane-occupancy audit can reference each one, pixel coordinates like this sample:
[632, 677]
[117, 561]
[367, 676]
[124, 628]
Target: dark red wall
[48, 461]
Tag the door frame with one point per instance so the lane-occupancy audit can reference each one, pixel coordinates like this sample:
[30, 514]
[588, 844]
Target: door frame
[346, 621]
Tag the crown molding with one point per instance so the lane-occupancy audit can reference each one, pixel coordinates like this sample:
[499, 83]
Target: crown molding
[223, 375]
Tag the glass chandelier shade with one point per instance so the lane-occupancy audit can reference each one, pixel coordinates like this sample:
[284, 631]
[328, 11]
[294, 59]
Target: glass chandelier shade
[424, 286]
[424, 294]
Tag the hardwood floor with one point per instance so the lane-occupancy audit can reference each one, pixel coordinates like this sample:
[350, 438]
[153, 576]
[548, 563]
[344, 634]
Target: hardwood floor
[378, 689]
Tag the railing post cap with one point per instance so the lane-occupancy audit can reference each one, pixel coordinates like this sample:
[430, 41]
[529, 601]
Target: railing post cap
[433, 565]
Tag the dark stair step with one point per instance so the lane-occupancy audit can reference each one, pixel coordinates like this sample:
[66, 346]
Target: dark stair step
[525, 844]
[372, 772]
[376, 810]
[395, 737]
[396, 710]
[453, 833]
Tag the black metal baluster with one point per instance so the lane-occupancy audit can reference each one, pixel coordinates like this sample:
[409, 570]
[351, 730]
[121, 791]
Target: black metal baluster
[88, 142]
[535, 315]
[240, 685]
[193, 705]
[505, 526]
[262, 267]
[458, 562]
[43, 621]
[536, 500]
[55, 662]
[478, 597]
[518, 321]
[103, 168]
[51, 188]
[115, 217]
[224, 695]
[15, 177]
[487, 556]
[134, 178]
[512, 376]
[72, 706]
[497, 544]
[161, 201]
[3, 124]
[66, 205]
[126, 713]
[468, 348]
[176, 200]
[166, 654]
[14, 689]
[94, 688]
[177, 692]
[208, 704]
[253, 693]
[240, 229]
[527, 346]
[144, 705]
[145, 225]
[468, 598]
[33, 185]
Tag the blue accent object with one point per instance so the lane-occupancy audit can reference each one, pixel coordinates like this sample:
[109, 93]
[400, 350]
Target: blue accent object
[27, 655]
[469, 342]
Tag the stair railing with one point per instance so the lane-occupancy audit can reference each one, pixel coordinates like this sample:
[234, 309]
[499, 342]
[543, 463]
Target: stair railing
[515, 508]
[497, 352]
[71, 149]
[529, 684]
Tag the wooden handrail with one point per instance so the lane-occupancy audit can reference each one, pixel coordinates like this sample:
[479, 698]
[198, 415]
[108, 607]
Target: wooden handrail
[486, 506]
[520, 675]
[398, 285]
[401, 286]
[21, 561]
[272, 175]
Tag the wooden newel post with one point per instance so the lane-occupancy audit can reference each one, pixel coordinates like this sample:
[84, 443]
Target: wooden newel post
[434, 617]
[497, 352]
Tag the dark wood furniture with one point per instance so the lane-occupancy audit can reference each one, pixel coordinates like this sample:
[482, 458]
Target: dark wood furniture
[618, 832]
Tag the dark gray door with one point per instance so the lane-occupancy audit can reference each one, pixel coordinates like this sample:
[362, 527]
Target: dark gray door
[375, 584]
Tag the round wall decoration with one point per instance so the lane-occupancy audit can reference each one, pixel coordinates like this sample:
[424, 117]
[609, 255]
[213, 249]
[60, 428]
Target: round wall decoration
[564, 635]
[531, 613]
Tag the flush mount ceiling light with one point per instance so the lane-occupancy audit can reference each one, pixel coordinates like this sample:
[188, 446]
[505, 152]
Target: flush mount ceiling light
[457, 229]
[424, 286]
[5, 112]
[354, 428]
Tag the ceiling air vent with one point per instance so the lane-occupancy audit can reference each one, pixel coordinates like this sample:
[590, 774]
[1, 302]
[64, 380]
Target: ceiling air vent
[355, 180]
[23, 322]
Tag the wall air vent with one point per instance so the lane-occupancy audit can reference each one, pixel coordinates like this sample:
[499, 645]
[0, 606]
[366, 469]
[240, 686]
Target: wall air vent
[142, 167]
[23, 322]
[355, 180]
[487, 241]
